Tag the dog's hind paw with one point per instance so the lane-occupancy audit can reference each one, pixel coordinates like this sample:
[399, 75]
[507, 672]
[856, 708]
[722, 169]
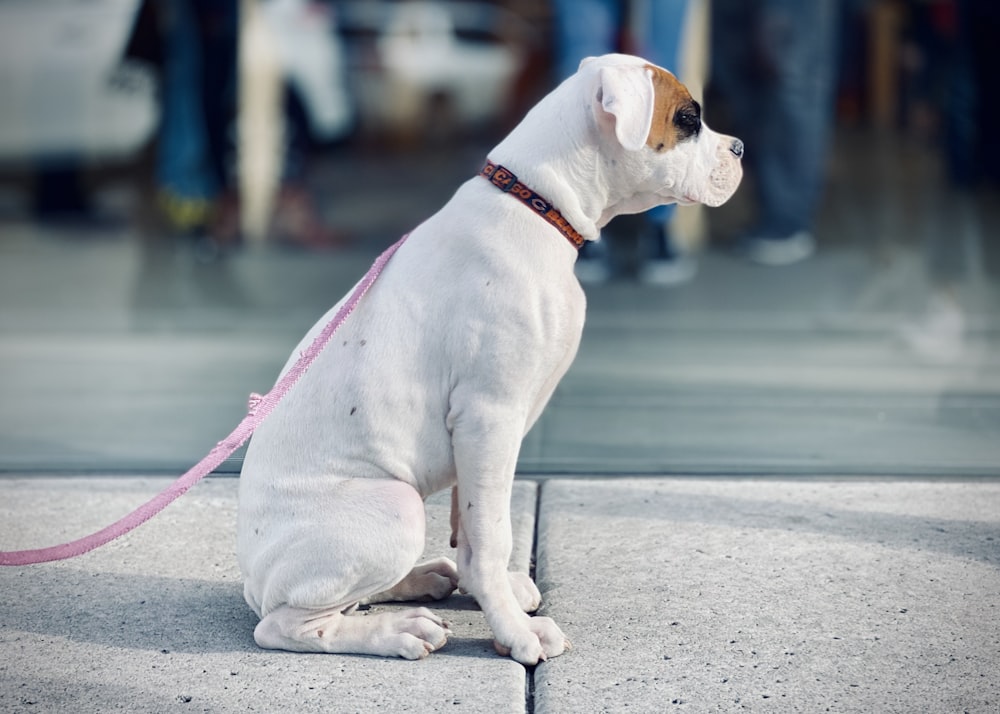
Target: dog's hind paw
[411, 634]
[434, 580]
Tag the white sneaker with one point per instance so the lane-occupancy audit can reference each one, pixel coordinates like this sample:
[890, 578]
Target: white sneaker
[940, 335]
[667, 273]
[664, 263]
[778, 251]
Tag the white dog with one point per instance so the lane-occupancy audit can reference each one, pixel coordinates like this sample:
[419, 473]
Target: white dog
[446, 364]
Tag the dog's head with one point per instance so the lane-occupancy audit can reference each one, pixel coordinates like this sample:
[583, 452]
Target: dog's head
[651, 125]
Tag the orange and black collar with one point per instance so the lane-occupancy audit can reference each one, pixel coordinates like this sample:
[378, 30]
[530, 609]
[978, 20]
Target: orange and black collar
[505, 180]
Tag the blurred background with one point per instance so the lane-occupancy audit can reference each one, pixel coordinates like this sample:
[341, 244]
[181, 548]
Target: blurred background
[185, 187]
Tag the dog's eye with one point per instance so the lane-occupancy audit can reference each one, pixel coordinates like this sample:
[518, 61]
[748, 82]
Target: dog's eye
[688, 120]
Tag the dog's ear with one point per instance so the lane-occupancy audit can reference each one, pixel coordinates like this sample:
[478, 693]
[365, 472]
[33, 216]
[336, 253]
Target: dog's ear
[626, 93]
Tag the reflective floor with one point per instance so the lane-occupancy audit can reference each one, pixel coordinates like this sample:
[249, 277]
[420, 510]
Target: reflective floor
[120, 350]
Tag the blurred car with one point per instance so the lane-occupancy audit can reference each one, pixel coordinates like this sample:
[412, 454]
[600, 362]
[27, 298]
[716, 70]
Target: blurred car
[69, 97]
[71, 100]
[310, 50]
[408, 59]
[66, 97]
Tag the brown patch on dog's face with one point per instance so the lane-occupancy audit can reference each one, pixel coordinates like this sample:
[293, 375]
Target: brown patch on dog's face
[676, 116]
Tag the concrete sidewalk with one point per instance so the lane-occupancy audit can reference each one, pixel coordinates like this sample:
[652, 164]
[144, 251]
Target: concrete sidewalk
[678, 594]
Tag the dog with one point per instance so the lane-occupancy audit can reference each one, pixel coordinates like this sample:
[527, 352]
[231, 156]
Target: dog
[443, 368]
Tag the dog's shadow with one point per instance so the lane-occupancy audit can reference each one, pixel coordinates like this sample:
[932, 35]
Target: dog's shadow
[167, 614]
[139, 612]
[470, 634]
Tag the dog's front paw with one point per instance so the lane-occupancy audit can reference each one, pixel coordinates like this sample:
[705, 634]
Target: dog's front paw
[525, 591]
[542, 639]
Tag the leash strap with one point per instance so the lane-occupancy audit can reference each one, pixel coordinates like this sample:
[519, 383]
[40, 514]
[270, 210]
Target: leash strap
[505, 180]
[260, 408]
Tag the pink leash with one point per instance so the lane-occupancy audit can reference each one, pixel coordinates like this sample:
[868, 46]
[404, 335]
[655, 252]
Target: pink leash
[260, 408]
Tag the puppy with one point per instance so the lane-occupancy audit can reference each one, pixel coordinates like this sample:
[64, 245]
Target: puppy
[446, 364]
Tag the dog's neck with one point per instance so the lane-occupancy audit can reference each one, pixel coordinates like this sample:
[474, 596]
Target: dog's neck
[507, 181]
[569, 164]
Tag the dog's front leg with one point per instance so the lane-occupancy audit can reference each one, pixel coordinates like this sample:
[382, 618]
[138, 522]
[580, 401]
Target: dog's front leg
[485, 461]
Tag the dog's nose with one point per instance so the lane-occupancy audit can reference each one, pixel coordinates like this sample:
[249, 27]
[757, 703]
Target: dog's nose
[737, 148]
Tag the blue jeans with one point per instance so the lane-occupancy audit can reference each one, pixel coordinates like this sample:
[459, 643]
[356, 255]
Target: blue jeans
[773, 63]
[197, 105]
[585, 28]
[182, 165]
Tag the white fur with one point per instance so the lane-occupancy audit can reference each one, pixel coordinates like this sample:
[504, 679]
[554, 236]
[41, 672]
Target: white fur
[436, 378]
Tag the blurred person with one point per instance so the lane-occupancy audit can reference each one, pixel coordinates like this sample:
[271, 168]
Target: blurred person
[651, 29]
[967, 38]
[956, 39]
[198, 100]
[773, 66]
[195, 159]
[293, 47]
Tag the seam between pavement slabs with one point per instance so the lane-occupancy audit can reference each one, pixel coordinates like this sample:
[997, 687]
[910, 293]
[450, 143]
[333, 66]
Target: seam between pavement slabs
[529, 672]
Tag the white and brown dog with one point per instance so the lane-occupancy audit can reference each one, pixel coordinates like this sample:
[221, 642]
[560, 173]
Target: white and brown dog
[443, 368]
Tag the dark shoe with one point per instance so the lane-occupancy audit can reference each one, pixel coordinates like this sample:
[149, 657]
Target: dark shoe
[593, 264]
[298, 224]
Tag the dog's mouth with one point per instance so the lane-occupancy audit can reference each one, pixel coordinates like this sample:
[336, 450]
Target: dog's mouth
[719, 188]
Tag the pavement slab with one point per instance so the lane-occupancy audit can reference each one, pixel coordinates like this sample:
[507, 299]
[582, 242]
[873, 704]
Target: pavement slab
[705, 595]
[156, 622]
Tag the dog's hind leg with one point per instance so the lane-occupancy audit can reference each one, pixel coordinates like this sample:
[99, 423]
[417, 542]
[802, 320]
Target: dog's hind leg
[360, 538]
[411, 634]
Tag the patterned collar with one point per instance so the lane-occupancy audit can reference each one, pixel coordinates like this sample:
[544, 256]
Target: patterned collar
[506, 181]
